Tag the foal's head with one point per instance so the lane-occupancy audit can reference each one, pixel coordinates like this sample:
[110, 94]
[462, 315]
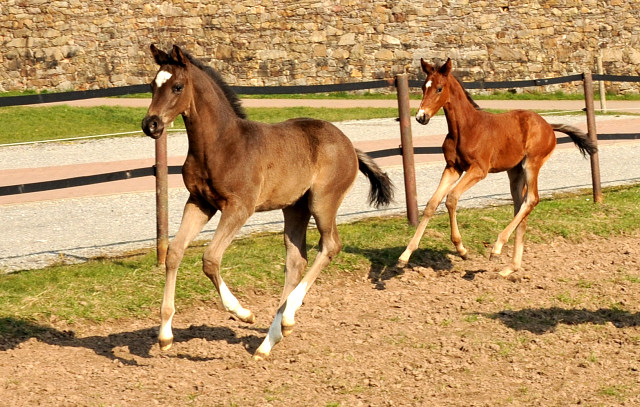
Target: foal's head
[435, 90]
[172, 90]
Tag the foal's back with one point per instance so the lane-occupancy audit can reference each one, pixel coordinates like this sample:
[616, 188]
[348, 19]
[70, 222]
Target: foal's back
[508, 138]
[294, 156]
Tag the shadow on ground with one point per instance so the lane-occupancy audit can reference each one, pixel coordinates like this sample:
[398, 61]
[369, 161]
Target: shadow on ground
[383, 262]
[139, 342]
[543, 320]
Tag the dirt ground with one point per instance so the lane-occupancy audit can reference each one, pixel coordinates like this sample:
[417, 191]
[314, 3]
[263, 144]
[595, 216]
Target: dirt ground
[441, 333]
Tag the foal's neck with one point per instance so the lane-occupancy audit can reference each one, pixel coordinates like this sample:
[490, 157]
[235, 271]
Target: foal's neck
[210, 114]
[459, 110]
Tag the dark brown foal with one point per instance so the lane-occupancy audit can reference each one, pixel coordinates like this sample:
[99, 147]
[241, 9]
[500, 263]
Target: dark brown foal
[518, 142]
[303, 166]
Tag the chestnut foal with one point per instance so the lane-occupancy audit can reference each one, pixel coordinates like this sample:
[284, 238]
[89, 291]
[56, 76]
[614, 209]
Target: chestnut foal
[518, 142]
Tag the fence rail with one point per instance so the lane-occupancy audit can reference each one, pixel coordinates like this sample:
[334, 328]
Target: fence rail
[302, 89]
[85, 180]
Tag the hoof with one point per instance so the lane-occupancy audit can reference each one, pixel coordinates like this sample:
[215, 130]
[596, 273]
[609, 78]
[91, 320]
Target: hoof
[465, 255]
[250, 319]
[165, 344]
[287, 329]
[401, 264]
[508, 273]
[495, 257]
[258, 356]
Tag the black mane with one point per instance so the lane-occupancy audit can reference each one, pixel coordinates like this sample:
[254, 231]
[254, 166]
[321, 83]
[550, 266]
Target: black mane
[233, 99]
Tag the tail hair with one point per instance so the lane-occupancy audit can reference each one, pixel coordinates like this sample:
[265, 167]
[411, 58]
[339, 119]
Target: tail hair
[580, 138]
[381, 193]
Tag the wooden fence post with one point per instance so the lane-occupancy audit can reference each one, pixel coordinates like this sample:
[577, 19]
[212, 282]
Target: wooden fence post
[162, 199]
[402, 87]
[591, 126]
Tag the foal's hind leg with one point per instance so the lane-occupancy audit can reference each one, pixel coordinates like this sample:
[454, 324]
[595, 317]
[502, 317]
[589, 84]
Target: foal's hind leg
[325, 213]
[518, 191]
[193, 220]
[530, 200]
[449, 177]
[296, 220]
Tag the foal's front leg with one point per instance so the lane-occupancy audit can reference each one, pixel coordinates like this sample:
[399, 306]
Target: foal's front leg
[232, 219]
[449, 177]
[193, 220]
[470, 178]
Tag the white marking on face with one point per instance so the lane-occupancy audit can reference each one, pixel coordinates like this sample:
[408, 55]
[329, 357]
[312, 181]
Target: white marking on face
[162, 77]
[420, 114]
[428, 84]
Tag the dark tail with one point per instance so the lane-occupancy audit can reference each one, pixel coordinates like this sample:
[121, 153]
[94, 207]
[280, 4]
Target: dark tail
[381, 193]
[582, 140]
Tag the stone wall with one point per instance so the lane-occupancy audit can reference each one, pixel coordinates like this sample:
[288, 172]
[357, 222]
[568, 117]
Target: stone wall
[74, 44]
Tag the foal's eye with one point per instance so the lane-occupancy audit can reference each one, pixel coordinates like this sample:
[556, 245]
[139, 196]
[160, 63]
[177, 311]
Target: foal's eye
[177, 88]
[439, 90]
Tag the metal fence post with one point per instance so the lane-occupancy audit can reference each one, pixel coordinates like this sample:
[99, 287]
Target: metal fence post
[162, 199]
[593, 135]
[402, 86]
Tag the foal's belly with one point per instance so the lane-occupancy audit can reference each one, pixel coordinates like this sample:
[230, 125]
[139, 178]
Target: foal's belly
[280, 196]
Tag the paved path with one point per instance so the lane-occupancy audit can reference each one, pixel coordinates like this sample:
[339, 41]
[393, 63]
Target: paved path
[75, 224]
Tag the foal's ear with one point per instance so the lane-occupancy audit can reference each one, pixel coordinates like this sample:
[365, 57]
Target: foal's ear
[179, 56]
[427, 68]
[160, 56]
[445, 68]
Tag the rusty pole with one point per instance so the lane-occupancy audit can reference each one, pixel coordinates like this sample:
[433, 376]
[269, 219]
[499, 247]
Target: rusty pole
[162, 199]
[593, 135]
[402, 86]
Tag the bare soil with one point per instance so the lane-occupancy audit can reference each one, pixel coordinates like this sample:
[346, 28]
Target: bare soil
[444, 332]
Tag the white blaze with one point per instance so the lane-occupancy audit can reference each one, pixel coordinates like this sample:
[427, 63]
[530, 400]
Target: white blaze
[427, 85]
[162, 77]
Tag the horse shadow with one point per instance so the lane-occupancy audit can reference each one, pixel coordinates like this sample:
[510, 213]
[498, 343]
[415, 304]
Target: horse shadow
[139, 342]
[383, 262]
[543, 320]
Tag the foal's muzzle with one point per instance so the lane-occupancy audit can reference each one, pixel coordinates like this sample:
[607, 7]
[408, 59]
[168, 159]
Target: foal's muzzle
[152, 126]
[422, 117]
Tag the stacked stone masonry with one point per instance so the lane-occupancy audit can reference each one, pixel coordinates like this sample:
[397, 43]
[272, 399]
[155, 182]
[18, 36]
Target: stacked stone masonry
[74, 44]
